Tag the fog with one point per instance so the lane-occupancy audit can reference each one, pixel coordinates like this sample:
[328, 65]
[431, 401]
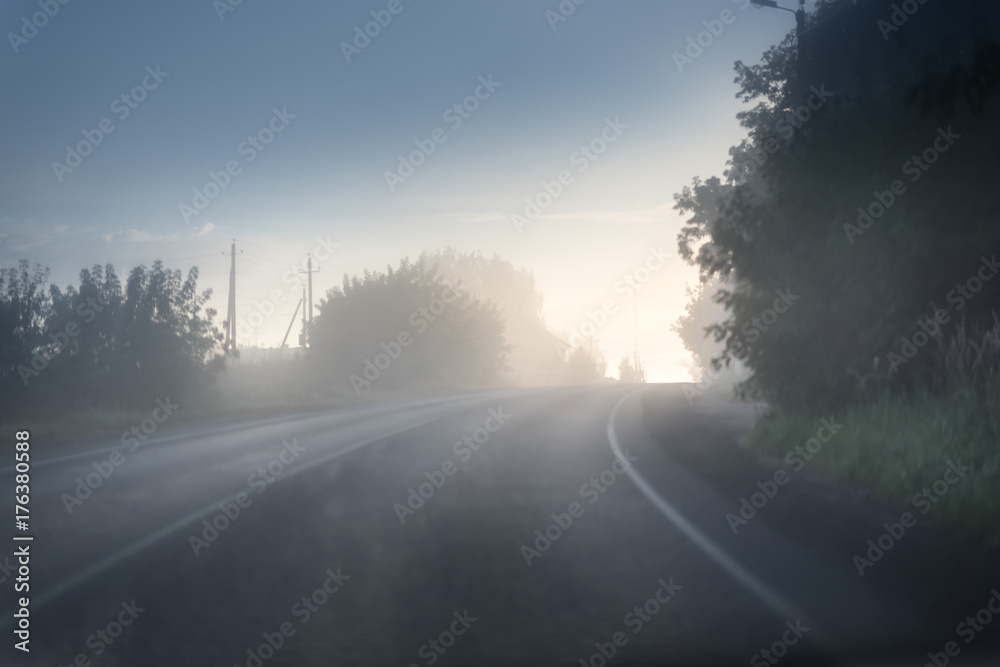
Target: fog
[327, 310]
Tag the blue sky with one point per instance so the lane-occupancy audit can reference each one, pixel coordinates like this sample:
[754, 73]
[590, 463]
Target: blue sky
[323, 175]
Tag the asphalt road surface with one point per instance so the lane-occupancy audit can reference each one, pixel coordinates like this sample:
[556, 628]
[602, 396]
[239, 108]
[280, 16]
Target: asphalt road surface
[549, 526]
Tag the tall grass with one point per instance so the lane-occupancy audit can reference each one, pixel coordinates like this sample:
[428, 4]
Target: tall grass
[897, 445]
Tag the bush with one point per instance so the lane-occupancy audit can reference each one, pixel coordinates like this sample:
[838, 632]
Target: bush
[405, 328]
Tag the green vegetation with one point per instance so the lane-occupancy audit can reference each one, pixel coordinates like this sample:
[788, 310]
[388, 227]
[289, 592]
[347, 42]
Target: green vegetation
[101, 345]
[450, 319]
[896, 447]
[702, 312]
[408, 327]
[91, 359]
[852, 243]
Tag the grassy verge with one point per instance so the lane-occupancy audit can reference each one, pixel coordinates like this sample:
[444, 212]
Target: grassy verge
[216, 404]
[897, 447]
[62, 426]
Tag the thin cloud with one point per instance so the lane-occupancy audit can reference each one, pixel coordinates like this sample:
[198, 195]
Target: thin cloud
[475, 218]
[137, 236]
[203, 230]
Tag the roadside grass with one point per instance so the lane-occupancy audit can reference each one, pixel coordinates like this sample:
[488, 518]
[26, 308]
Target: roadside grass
[896, 447]
[85, 423]
[96, 422]
[243, 391]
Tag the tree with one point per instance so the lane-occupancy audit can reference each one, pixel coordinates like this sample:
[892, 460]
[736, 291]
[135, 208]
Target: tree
[583, 366]
[97, 345]
[407, 327]
[626, 372]
[817, 219]
[701, 329]
[167, 342]
[534, 354]
[24, 306]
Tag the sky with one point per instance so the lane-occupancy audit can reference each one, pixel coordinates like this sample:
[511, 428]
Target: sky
[139, 130]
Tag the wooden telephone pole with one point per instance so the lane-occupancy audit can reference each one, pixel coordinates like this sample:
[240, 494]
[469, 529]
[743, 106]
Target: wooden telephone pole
[230, 344]
[307, 312]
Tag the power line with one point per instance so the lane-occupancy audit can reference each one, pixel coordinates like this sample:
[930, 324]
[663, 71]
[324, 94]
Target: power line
[183, 259]
[265, 266]
[84, 265]
[283, 252]
[266, 259]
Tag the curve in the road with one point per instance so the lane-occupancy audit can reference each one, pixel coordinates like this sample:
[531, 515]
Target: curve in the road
[769, 597]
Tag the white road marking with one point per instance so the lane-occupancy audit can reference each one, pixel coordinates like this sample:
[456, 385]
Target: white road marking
[59, 589]
[75, 580]
[772, 599]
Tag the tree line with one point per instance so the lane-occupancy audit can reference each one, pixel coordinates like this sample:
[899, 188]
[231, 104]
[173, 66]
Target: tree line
[102, 343]
[878, 211]
[450, 319]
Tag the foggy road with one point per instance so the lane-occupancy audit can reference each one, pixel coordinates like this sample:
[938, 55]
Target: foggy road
[551, 525]
[432, 334]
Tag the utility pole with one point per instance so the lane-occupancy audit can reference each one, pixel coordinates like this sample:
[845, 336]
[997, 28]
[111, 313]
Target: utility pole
[800, 53]
[230, 344]
[640, 374]
[309, 303]
[304, 338]
[290, 324]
